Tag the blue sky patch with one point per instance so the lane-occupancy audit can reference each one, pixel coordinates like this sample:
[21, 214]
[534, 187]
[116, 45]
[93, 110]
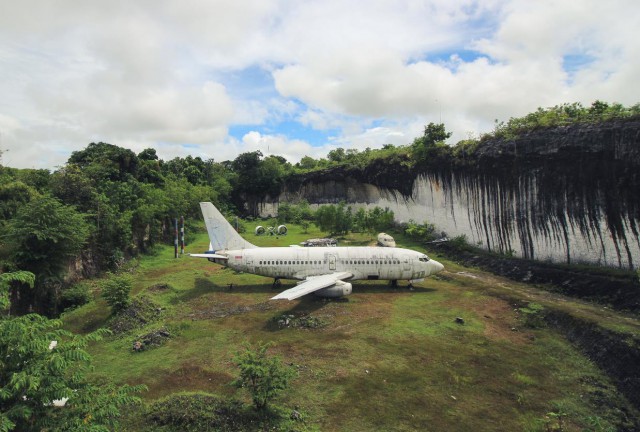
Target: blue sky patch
[251, 83]
[571, 63]
[291, 129]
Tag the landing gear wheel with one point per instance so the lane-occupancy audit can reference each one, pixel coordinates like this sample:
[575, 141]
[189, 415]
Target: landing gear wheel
[276, 283]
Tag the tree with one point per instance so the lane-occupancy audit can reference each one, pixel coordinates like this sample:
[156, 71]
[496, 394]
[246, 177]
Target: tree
[326, 218]
[307, 162]
[72, 186]
[344, 218]
[6, 279]
[431, 143]
[379, 219]
[44, 235]
[286, 212]
[270, 175]
[103, 161]
[14, 195]
[35, 373]
[360, 220]
[148, 154]
[337, 155]
[262, 375]
[335, 219]
[598, 108]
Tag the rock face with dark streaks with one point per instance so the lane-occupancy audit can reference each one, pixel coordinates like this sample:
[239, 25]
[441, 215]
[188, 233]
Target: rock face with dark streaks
[565, 194]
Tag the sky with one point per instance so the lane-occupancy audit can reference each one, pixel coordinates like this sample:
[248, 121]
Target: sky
[216, 78]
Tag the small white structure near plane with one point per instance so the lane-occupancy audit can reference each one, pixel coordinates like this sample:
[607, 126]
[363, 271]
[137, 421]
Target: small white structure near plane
[280, 230]
[385, 240]
[324, 271]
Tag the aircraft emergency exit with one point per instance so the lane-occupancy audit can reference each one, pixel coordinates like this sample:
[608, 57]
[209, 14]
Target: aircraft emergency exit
[324, 271]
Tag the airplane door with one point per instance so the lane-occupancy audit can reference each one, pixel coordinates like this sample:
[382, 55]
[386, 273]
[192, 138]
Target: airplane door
[406, 268]
[332, 262]
[250, 268]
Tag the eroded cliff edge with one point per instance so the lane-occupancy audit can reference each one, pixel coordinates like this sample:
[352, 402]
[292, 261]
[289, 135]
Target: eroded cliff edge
[565, 194]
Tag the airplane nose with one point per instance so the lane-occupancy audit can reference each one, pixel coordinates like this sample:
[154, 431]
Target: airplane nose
[436, 266]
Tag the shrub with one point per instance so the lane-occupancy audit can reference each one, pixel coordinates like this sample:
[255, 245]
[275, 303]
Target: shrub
[262, 375]
[75, 296]
[116, 291]
[141, 311]
[533, 315]
[197, 412]
[425, 231]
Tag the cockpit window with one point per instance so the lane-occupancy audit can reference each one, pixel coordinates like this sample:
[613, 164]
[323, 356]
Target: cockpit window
[424, 258]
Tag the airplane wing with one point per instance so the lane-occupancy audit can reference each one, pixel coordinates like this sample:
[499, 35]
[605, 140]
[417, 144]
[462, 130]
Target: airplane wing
[209, 256]
[311, 284]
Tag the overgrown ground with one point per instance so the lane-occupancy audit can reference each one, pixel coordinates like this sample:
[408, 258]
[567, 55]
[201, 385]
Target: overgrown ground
[383, 359]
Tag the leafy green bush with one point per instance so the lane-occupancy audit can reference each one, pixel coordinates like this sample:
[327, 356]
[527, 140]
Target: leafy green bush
[460, 242]
[425, 231]
[75, 296]
[262, 375]
[116, 291]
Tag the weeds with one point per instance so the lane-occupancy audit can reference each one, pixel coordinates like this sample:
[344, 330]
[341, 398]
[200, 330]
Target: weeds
[203, 412]
[533, 315]
[141, 311]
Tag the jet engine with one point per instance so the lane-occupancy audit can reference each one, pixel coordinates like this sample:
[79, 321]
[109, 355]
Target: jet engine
[340, 289]
[282, 230]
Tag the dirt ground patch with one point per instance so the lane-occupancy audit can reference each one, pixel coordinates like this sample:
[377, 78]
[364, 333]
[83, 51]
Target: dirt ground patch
[500, 321]
[191, 377]
[226, 309]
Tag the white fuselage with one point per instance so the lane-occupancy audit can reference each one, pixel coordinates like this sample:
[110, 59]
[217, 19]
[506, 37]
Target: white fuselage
[302, 262]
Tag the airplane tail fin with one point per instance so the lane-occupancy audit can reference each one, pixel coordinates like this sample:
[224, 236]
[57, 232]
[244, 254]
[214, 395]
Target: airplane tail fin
[221, 233]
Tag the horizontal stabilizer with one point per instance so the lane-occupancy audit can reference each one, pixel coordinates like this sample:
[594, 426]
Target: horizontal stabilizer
[216, 256]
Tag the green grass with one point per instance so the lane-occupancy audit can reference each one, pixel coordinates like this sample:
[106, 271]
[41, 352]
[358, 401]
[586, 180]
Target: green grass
[387, 358]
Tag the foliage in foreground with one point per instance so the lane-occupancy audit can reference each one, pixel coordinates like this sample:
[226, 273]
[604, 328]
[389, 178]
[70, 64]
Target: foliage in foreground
[203, 412]
[42, 365]
[263, 376]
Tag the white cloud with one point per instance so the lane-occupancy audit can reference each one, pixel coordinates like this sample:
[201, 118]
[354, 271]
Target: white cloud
[155, 73]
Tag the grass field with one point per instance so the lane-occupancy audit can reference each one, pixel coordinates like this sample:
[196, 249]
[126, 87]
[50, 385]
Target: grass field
[384, 359]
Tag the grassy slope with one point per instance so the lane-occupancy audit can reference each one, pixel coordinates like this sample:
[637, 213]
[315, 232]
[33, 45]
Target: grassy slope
[388, 359]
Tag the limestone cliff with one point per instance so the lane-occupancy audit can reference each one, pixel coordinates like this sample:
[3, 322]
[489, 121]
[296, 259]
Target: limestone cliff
[567, 194]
